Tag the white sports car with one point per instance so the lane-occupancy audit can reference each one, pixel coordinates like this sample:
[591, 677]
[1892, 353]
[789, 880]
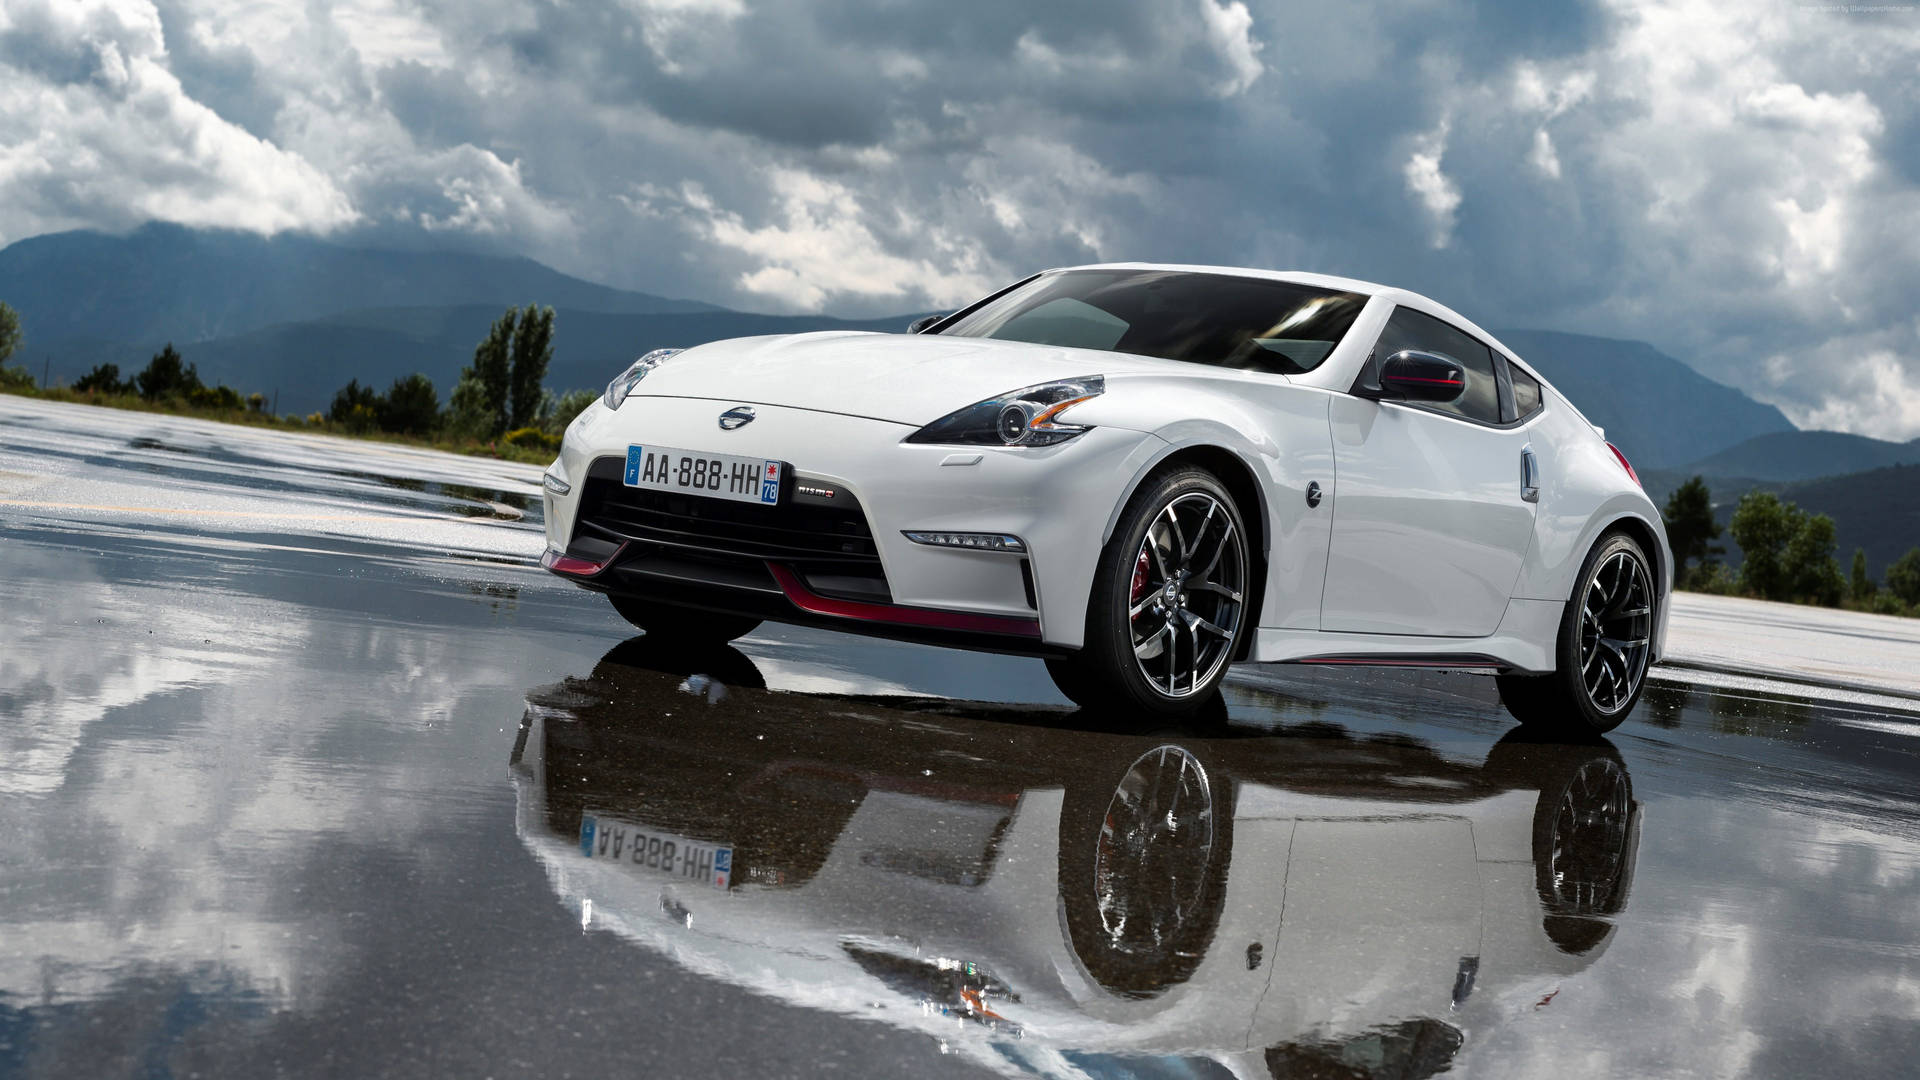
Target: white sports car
[1142, 474]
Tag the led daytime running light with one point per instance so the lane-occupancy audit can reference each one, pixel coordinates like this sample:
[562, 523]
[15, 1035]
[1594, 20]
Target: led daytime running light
[976, 541]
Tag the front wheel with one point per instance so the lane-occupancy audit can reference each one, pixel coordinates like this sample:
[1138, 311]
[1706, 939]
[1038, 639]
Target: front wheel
[1605, 645]
[1169, 601]
[682, 628]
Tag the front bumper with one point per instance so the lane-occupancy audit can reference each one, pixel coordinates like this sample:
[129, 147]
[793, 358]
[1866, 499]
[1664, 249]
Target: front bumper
[1058, 499]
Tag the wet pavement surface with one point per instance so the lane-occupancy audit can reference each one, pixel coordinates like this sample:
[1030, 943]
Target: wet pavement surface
[353, 789]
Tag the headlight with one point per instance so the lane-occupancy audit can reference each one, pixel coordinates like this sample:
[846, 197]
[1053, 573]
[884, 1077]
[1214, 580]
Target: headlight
[623, 384]
[1021, 418]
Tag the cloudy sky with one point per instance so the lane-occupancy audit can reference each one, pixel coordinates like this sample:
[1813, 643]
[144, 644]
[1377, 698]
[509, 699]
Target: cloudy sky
[1736, 182]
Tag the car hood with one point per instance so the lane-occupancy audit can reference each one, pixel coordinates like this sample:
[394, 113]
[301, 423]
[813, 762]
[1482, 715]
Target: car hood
[904, 378]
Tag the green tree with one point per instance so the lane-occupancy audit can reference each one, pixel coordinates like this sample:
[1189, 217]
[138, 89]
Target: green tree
[10, 336]
[1691, 530]
[411, 406]
[103, 379]
[1813, 573]
[1762, 525]
[356, 407]
[483, 407]
[1903, 577]
[532, 352]
[167, 376]
[1859, 584]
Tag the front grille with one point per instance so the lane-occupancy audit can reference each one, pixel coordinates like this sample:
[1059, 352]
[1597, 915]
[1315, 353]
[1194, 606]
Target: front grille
[831, 546]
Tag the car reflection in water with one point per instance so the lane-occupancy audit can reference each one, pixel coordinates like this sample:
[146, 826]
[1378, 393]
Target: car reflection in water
[1042, 895]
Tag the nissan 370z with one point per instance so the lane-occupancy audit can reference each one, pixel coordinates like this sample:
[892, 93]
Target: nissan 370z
[1141, 474]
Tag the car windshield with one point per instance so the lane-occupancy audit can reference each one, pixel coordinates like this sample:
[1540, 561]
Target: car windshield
[1218, 319]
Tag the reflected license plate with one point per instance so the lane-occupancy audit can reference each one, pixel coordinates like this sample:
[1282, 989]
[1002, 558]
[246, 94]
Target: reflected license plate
[652, 850]
[697, 472]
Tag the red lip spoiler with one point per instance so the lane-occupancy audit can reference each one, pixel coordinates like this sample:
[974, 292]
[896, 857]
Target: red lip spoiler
[812, 602]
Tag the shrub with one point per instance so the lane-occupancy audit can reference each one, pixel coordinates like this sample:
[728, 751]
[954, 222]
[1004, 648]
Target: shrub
[1714, 578]
[103, 379]
[355, 407]
[214, 397]
[532, 438]
[410, 406]
[13, 378]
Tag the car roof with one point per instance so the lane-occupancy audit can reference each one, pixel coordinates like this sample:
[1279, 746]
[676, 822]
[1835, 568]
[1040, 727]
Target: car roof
[1399, 296]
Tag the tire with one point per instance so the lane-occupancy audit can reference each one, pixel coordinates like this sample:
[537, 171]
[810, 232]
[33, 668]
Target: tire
[1145, 841]
[682, 628]
[1601, 658]
[1133, 658]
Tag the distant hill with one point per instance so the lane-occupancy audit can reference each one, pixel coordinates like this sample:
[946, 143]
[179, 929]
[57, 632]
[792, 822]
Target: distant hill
[305, 362]
[1659, 411]
[1804, 455]
[1878, 510]
[167, 283]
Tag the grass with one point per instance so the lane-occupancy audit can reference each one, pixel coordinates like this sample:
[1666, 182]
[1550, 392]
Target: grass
[315, 424]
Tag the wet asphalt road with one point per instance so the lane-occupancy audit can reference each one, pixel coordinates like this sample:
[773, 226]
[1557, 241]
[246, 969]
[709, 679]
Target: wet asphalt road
[307, 771]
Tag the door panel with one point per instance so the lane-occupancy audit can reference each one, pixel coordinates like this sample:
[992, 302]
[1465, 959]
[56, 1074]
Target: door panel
[1429, 528]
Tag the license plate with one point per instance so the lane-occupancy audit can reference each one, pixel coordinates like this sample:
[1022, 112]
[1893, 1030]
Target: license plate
[655, 851]
[695, 472]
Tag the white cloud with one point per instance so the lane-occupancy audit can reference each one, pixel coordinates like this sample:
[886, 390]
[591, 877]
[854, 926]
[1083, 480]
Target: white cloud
[1870, 393]
[1436, 191]
[487, 196]
[118, 141]
[1725, 188]
[1543, 156]
[822, 245]
[1229, 29]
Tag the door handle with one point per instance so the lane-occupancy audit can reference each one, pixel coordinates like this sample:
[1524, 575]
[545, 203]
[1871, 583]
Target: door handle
[1529, 476]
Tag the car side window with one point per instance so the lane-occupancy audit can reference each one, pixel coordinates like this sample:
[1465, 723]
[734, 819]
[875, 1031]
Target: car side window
[1526, 392]
[1410, 329]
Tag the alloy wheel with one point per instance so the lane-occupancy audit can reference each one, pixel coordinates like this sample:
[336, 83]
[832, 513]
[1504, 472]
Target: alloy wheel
[1185, 604]
[1616, 627]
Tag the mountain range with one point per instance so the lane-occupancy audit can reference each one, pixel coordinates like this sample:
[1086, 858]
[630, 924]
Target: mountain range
[296, 317]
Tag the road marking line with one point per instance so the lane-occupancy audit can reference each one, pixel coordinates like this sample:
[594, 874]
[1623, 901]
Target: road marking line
[215, 513]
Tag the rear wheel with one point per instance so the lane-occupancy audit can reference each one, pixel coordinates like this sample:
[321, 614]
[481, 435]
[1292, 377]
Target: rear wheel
[1604, 647]
[679, 627]
[1168, 601]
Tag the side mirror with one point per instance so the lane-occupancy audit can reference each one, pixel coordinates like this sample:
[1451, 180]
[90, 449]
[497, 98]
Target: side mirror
[919, 325]
[1412, 375]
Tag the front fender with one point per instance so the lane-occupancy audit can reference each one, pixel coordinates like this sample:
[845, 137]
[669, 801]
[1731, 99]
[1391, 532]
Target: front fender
[1277, 432]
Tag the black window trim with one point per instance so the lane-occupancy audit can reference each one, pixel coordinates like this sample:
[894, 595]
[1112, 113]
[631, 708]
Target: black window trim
[1368, 377]
[1506, 380]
